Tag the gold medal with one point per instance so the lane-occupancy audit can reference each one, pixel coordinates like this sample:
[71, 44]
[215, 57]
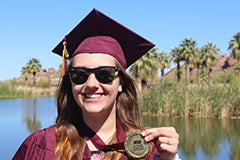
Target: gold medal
[136, 146]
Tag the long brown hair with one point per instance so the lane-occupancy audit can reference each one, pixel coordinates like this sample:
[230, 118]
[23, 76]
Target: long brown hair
[70, 138]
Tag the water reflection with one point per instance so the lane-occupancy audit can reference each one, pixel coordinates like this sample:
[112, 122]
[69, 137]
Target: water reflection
[32, 122]
[204, 138]
[20, 117]
[199, 138]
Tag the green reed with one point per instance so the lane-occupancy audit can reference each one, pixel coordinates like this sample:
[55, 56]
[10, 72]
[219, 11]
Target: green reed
[9, 89]
[25, 89]
[192, 101]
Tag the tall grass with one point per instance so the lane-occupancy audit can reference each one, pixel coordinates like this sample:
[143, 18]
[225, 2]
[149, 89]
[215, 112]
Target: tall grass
[24, 89]
[192, 101]
[9, 89]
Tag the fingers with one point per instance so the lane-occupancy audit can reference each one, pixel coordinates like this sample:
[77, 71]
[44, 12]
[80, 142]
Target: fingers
[167, 144]
[166, 140]
[153, 133]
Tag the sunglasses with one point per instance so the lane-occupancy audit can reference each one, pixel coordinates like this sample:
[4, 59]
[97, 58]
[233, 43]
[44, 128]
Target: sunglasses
[105, 74]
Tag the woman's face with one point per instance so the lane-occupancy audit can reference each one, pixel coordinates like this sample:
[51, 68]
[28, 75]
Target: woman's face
[95, 98]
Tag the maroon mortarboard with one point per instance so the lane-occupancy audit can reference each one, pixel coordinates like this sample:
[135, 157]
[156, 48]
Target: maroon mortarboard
[99, 33]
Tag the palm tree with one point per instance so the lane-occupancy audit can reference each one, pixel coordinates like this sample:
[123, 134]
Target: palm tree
[188, 53]
[163, 62]
[176, 57]
[145, 68]
[24, 73]
[234, 46]
[237, 68]
[210, 58]
[33, 66]
[154, 64]
[197, 62]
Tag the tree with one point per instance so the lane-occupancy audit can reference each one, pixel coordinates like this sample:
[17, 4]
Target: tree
[145, 68]
[234, 46]
[188, 53]
[163, 62]
[210, 58]
[25, 73]
[176, 57]
[197, 62]
[237, 68]
[32, 67]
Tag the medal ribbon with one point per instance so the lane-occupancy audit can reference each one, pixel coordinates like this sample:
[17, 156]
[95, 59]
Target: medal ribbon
[98, 142]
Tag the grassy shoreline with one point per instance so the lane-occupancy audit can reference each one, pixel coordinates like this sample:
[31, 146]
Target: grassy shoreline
[172, 100]
[219, 101]
[18, 89]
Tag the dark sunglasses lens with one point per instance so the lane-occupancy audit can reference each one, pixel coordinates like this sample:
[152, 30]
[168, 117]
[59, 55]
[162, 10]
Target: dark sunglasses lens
[79, 76]
[105, 75]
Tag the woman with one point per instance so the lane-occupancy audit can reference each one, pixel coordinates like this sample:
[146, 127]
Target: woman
[98, 101]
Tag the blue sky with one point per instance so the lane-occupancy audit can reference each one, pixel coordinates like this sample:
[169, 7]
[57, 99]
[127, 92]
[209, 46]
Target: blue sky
[31, 29]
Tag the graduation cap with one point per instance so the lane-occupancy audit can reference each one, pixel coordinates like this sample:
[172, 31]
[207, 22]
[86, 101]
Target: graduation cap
[101, 34]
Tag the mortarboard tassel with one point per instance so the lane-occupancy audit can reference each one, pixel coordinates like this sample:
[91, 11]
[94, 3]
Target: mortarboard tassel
[65, 55]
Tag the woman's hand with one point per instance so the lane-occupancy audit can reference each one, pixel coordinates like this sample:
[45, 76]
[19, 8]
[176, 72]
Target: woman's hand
[166, 140]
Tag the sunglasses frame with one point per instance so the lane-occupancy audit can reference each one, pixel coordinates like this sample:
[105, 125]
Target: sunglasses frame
[95, 71]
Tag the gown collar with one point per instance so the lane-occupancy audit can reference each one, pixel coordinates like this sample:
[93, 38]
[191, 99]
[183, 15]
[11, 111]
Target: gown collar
[98, 142]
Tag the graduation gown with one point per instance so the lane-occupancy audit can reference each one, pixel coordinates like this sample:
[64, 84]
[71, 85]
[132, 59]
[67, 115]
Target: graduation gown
[40, 146]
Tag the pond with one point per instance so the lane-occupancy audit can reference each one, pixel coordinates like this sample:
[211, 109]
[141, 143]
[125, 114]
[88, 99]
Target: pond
[199, 138]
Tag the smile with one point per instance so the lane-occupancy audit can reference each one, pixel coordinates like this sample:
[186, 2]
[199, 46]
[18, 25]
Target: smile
[92, 95]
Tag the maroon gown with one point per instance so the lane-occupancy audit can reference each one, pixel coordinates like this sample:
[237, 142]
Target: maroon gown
[40, 146]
